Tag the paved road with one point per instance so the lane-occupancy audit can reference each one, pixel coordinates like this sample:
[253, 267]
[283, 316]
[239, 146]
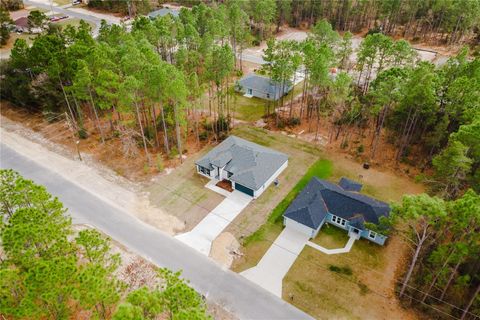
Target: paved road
[231, 290]
[65, 11]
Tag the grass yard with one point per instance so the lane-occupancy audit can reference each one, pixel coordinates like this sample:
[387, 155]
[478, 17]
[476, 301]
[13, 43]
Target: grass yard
[182, 193]
[354, 285]
[73, 22]
[62, 2]
[249, 109]
[261, 222]
[253, 109]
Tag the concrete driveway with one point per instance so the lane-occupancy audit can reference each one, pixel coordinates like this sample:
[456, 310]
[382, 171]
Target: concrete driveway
[274, 265]
[201, 237]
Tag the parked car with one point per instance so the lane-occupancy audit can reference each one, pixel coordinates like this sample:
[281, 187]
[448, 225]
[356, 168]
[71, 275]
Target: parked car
[75, 2]
[56, 18]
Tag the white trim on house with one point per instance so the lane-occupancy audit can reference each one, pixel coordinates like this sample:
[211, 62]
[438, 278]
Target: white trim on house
[274, 176]
[223, 174]
[340, 221]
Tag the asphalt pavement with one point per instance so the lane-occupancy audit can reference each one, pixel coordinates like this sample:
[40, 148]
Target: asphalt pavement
[226, 288]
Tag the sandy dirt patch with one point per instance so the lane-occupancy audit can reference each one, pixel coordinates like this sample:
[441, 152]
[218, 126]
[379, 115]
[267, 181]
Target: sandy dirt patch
[224, 249]
[90, 176]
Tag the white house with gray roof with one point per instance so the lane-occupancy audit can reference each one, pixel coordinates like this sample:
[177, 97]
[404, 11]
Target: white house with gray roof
[249, 167]
[254, 85]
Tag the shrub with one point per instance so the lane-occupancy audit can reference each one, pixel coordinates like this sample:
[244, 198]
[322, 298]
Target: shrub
[363, 288]
[344, 145]
[203, 136]
[360, 148]
[82, 133]
[295, 121]
[342, 270]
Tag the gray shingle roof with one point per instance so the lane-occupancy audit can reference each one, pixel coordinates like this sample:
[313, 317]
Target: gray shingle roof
[163, 12]
[350, 185]
[262, 84]
[251, 164]
[321, 197]
[308, 208]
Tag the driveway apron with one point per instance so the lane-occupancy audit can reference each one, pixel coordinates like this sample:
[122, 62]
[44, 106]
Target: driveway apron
[274, 265]
[202, 236]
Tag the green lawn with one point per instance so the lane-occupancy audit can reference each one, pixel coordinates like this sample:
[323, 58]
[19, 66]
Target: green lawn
[325, 286]
[62, 2]
[253, 109]
[73, 22]
[257, 243]
[321, 169]
[249, 109]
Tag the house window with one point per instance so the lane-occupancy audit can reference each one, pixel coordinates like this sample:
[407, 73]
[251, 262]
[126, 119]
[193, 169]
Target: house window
[204, 170]
[339, 220]
[268, 95]
[250, 91]
[372, 235]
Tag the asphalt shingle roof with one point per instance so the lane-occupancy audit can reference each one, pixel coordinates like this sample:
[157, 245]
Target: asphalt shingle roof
[251, 164]
[320, 197]
[349, 185]
[260, 83]
[163, 12]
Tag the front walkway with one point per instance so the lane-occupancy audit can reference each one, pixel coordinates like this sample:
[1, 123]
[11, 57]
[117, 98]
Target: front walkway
[276, 262]
[345, 249]
[281, 255]
[201, 237]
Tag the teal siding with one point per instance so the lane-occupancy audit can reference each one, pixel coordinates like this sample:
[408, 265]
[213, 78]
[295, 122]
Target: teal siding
[244, 189]
[379, 239]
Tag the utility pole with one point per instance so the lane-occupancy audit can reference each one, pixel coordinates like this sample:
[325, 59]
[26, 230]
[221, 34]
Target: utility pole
[76, 142]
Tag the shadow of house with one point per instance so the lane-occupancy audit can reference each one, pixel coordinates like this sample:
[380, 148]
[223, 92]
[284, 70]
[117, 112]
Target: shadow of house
[254, 85]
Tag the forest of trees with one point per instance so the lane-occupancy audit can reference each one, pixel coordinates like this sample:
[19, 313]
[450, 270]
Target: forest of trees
[172, 78]
[444, 237]
[437, 21]
[50, 271]
[138, 80]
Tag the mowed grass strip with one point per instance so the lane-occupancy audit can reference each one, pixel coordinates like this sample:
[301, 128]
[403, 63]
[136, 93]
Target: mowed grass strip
[321, 169]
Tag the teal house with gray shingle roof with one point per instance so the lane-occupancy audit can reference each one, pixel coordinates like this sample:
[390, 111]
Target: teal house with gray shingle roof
[249, 167]
[341, 205]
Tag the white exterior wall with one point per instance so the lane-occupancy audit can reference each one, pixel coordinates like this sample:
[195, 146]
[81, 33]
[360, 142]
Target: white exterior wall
[259, 191]
[289, 223]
